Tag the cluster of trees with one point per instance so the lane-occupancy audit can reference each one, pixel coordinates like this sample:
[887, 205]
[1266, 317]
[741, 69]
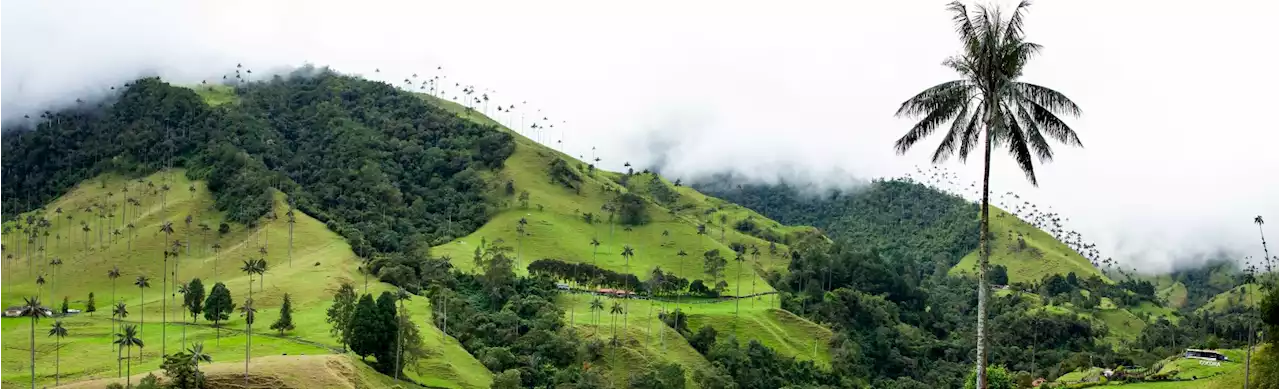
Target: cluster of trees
[894, 217]
[376, 328]
[658, 283]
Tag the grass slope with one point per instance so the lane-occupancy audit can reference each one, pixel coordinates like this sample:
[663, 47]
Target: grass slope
[321, 260]
[1042, 255]
[293, 371]
[647, 341]
[1239, 296]
[1175, 295]
[556, 228]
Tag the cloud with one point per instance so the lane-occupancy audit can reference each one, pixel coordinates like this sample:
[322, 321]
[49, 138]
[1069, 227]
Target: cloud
[1179, 150]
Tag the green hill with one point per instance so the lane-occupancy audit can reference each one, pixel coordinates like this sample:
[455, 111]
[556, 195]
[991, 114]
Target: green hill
[556, 229]
[1239, 296]
[1027, 252]
[320, 261]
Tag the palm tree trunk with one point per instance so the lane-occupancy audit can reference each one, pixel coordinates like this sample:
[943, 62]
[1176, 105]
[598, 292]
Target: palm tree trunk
[737, 301]
[984, 254]
[248, 333]
[164, 300]
[33, 350]
[128, 367]
[57, 361]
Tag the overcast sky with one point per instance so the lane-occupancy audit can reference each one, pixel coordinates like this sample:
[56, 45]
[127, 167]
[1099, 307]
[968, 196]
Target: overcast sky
[1180, 152]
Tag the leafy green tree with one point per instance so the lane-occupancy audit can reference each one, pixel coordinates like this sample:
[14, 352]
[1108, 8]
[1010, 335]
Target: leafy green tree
[183, 371]
[385, 343]
[66, 307]
[365, 331]
[91, 306]
[989, 102]
[509, 379]
[218, 307]
[340, 313]
[999, 275]
[997, 378]
[128, 337]
[665, 376]
[194, 298]
[285, 321]
[713, 263]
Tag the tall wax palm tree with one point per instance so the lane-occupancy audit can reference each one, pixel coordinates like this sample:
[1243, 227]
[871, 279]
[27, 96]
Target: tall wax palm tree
[167, 229]
[597, 306]
[739, 258]
[119, 313]
[250, 267]
[248, 311]
[142, 282]
[520, 228]
[39, 285]
[1266, 253]
[680, 254]
[216, 257]
[198, 355]
[128, 337]
[56, 263]
[260, 267]
[58, 332]
[989, 102]
[613, 326]
[113, 274]
[755, 258]
[291, 222]
[31, 308]
[627, 253]
[183, 289]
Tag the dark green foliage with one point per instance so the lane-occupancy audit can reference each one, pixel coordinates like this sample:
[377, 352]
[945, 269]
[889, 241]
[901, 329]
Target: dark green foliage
[665, 376]
[999, 275]
[91, 306]
[896, 218]
[997, 378]
[224, 228]
[387, 339]
[755, 366]
[509, 379]
[149, 382]
[632, 209]
[703, 339]
[181, 372]
[339, 314]
[562, 174]
[382, 167]
[713, 263]
[365, 334]
[285, 321]
[193, 300]
[218, 307]
[65, 307]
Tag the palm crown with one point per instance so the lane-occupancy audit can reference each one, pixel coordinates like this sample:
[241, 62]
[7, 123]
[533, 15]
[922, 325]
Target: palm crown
[1018, 115]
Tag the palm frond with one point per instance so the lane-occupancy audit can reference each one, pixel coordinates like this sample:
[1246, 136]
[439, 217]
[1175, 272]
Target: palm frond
[972, 132]
[1051, 125]
[1051, 99]
[930, 99]
[964, 25]
[1035, 137]
[949, 143]
[1013, 30]
[1017, 143]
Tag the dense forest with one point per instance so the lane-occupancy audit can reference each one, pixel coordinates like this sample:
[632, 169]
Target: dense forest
[895, 218]
[383, 168]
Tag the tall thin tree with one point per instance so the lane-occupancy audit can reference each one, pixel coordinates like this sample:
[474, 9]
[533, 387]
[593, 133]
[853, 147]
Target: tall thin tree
[58, 332]
[989, 102]
[128, 337]
[31, 308]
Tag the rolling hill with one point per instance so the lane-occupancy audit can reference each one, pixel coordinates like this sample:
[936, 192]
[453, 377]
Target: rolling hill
[320, 261]
[1027, 252]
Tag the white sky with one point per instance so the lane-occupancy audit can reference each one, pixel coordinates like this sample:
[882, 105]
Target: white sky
[1180, 153]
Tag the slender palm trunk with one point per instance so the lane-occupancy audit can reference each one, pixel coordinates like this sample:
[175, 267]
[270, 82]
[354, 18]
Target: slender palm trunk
[33, 350]
[737, 301]
[164, 301]
[128, 367]
[248, 333]
[57, 361]
[142, 312]
[984, 254]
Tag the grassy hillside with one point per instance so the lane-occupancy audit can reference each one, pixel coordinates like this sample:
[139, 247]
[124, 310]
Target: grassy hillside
[1236, 297]
[301, 371]
[321, 260]
[556, 227]
[1175, 295]
[1030, 259]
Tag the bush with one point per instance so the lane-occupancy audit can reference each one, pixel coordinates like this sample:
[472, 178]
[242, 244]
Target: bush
[997, 378]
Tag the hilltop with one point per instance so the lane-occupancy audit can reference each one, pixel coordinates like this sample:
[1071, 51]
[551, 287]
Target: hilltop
[1027, 252]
